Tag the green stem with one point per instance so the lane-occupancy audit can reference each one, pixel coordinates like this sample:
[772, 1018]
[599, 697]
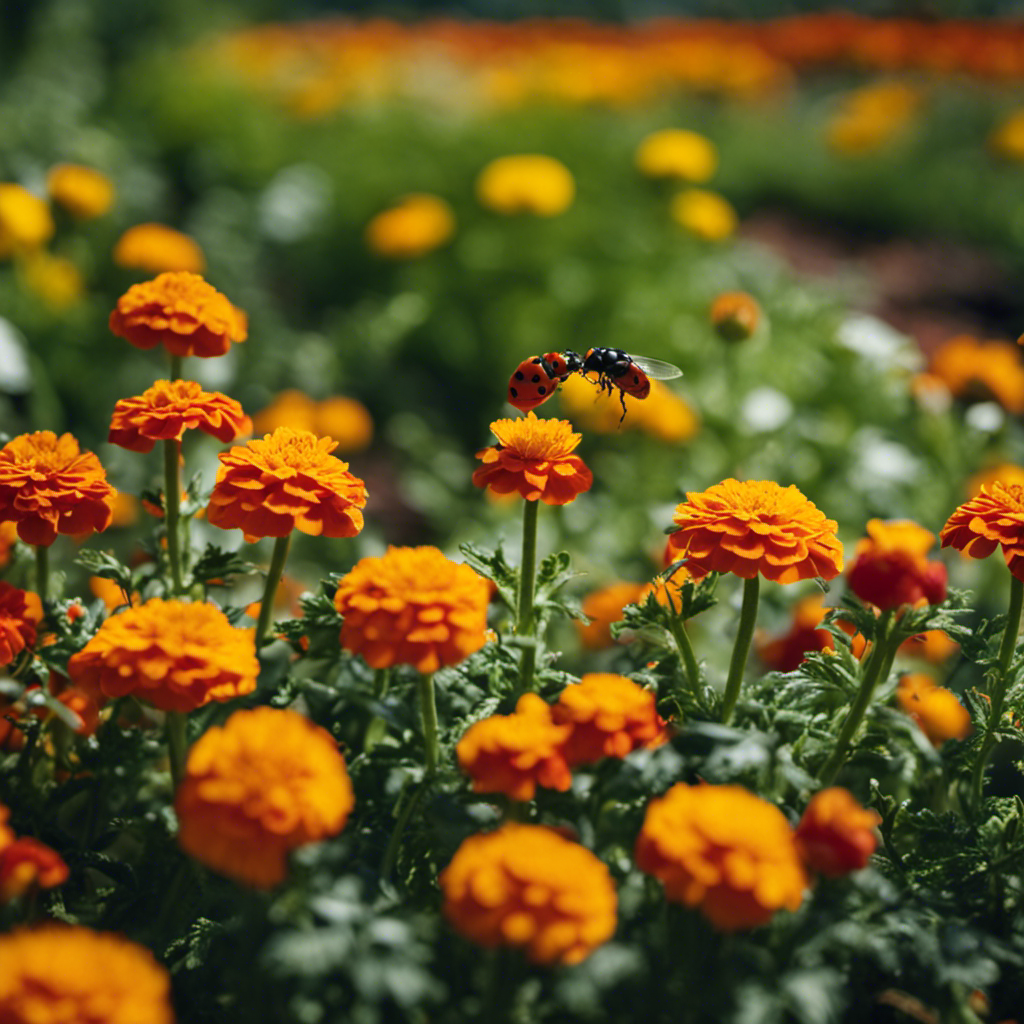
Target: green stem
[172, 511]
[407, 810]
[1006, 649]
[527, 581]
[175, 370]
[176, 727]
[683, 645]
[378, 727]
[43, 573]
[428, 712]
[745, 633]
[277, 561]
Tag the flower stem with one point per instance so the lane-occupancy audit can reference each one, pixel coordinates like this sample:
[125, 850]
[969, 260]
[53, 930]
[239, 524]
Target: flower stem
[683, 645]
[176, 726]
[277, 560]
[745, 633]
[527, 580]
[175, 370]
[1006, 649]
[43, 573]
[428, 711]
[172, 511]
[406, 812]
[377, 727]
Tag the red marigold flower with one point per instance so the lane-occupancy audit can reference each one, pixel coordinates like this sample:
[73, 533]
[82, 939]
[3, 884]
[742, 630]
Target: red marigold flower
[176, 655]
[992, 518]
[724, 850]
[166, 410]
[936, 710]
[755, 527]
[513, 754]
[526, 886]
[534, 458]
[26, 864]
[180, 311]
[83, 705]
[20, 612]
[836, 835]
[259, 786]
[786, 652]
[412, 606]
[48, 486]
[286, 481]
[610, 716]
[890, 568]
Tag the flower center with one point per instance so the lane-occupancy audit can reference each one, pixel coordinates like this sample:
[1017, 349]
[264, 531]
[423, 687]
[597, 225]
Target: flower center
[536, 439]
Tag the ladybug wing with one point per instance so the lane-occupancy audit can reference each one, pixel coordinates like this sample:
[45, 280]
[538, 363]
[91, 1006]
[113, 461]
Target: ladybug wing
[656, 368]
[530, 385]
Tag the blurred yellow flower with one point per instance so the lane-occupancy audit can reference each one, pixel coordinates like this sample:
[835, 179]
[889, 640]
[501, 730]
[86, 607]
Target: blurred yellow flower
[53, 279]
[870, 116]
[156, 248]
[705, 214]
[25, 220]
[663, 414]
[1003, 472]
[975, 369]
[1007, 140]
[346, 420]
[83, 192]
[526, 183]
[677, 153]
[414, 226]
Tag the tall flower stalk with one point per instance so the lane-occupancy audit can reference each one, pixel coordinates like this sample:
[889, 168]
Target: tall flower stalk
[274, 573]
[741, 648]
[527, 583]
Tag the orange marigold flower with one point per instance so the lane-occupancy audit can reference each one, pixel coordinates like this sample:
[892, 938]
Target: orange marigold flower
[610, 716]
[724, 850]
[286, 481]
[735, 316]
[756, 527]
[11, 739]
[415, 225]
[936, 710]
[603, 607]
[28, 864]
[786, 652]
[513, 754]
[993, 518]
[836, 835]
[982, 369]
[412, 606]
[20, 612]
[891, 569]
[933, 646]
[526, 183]
[8, 538]
[6, 835]
[534, 457]
[49, 486]
[1003, 472]
[166, 410]
[264, 783]
[342, 419]
[57, 974]
[181, 312]
[176, 655]
[664, 414]
[526, 886]
[156, 249]
[82, 191]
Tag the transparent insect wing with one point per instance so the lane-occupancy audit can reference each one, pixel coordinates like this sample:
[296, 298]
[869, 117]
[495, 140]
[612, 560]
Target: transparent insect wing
[656, 368]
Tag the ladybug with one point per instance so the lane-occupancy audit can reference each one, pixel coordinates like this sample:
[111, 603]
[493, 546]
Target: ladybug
[632, 375]
[536, 379]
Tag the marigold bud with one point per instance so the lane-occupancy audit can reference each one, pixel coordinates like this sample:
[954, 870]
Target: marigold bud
[735, 316]
[836, 835]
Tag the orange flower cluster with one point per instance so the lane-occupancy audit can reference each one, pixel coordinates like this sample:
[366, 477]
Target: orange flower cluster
[785, 653]
[891, 567]
[526, 886]
[342, 419]
[937, 710]
[603, 607]
[663, 414]
[981, 369]
[157, 249]
[993, 518]
[175, 655]
[266, 782]
[166, 410]
[724, 850]
[56, 974]
[180, 311]
[26, 864]
[755, 527]
[836, 835]
[415, 225]
[534, 458]
[288, 480]
[49, 486]
[412, 606]
[20, 613]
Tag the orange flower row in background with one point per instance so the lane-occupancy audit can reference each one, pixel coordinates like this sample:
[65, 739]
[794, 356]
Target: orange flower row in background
[26, 864]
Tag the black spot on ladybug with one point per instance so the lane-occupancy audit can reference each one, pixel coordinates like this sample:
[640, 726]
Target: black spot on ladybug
[513, 392]
[518, 374]
[535, 378]
[636, 379]
[542, 390]
[536, 359]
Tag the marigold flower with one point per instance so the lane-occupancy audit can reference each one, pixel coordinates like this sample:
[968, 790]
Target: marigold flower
[526, 183]
[175, 655]
[993, 518]
[54, 279]
[526, 886]
[933, 646]
[735, 316]
[156, 249]
[1007, 140]
[28, 864]
[259, 786]
[57, 974]
[724, 850]
[836, 835]
[48, 486]
[85, 193]
[936, 710]
[981, 369]
[412, 606]
[890, 568]
[664, 414]
[1002, 472]
[11, 739]
[677, 153]
[8, 538]
[603, 607]
[610, 716]
[534, 458]
[20, 612]
[25, 220]
[166, 410]
[705, 214]
[871, 116]
[755, 527]
[181, 312]
[286, 481]
[343, 419]
[415, 225]
[786, 652]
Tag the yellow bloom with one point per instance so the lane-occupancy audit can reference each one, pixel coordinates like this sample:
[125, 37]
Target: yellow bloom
[25, 220]
[871, 116]
[53, 279]
[663, 414]
[937, 710]
[156, 249]
[526, 183]
[416, 225]
[345, 420]
[677, 153]
[705, 214]
[1007, 140]
[83, 192]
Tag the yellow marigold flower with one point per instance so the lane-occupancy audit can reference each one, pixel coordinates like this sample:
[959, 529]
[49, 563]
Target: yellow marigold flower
[936, 710]
[20, 613]
[735, 316]
[526, 183]
[534, 457]
[724, 850]
[526, 886]
[603, 607]
[755, 527]
[412, 606]
[175, 655]
[415, 225]
[156, 249]
[82, 191]
[48, 486]
[344, 420]
[933, 646]
[836, 835]
[259, 786]
[55, 974]
[25, 220]
[1007, 140]
[705, 214]
[288, 480]
[54, 279]
[677, 153]
[1003, 472]
[993, 518]
[663, 414]
[166, 410]
[181, 312]
[981, 369]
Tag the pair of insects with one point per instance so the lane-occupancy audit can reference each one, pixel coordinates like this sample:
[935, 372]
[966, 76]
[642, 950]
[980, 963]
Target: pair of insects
[536, 379]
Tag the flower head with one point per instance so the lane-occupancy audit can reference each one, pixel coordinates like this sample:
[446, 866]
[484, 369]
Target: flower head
[724, 850]
[156, 249]
[175, 655]
[25, 221]
[53, 279]
[48, 486]
[56, 974]
[974, 368]
[1002, 472]
[937, 710]
[705, 214]
[603, 607]
[416, 225]
[534, 457]
[756, 527]
[340, 418]
[412, 606]
[786, 652]
[992, 518]
[526, 886]
[836, 835]
[526, 183]
[82, 191]
[166, 410]
[735, 316]
[20, 612]
[891, 569]
[286, 481]
[664, 414]
[677, 153]
[28, 864]
[181, 312]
